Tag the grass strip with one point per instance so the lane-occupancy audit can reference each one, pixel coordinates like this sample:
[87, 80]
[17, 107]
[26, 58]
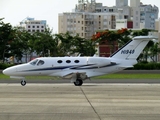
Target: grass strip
[109, 76]
[129, 76]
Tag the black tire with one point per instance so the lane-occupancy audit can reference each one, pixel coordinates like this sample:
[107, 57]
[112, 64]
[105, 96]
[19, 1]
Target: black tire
[23, 82]
[78, 82]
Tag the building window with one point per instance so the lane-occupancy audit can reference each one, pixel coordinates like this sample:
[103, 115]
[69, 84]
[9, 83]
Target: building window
[37, 30]
[110, 10]
[29, 30]
[37, 26]
[125, 16]
[29, 26]
[33, 26]
[42, 30]
[33, 30]
[82, 34]
[42, 26]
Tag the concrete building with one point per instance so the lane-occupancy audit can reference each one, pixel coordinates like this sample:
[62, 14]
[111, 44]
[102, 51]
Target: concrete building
[121, 3]
[135, 13]
[157, 32]
[89, 17]
[32, 25]
[86, 24]
[148, 15]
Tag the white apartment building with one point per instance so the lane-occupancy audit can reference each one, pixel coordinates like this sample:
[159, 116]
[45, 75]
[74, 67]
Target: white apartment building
[148, 16]
[89, 17]
[121, 3]
[32, 25]
[85, 24]
[135, 13]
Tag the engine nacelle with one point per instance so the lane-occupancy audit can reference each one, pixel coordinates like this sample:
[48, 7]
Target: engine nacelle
[99, 61]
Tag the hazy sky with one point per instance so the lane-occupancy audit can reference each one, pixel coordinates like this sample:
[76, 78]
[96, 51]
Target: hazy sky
[15, 11]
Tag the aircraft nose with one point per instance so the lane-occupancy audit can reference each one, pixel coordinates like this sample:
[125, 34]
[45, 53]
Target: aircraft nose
[9, 71]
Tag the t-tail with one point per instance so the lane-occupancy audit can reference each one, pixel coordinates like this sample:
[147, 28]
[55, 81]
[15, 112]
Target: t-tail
[133, 48]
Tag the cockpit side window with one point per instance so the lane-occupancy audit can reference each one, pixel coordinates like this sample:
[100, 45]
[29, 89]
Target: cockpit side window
[33, 62]
[41, 62]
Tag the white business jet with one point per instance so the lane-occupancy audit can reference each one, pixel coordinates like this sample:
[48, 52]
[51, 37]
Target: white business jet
[78, 69]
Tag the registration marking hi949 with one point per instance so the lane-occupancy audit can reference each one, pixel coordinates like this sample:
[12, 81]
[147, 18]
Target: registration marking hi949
[127, 51]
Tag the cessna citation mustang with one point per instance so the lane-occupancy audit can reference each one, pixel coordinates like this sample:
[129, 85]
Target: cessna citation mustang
[79, 69]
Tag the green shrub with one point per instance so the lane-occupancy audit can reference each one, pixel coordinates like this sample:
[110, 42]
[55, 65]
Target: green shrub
[147, 66]
[4, 66]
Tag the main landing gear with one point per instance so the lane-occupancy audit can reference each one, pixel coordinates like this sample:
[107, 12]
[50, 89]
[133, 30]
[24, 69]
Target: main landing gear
[78, 82]
[23, 82]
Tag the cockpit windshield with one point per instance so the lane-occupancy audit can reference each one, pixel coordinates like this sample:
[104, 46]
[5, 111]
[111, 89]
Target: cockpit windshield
[40, 62]
[37, 62]
[33, 62]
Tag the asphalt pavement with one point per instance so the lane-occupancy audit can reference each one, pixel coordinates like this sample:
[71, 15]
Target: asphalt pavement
[89, 102]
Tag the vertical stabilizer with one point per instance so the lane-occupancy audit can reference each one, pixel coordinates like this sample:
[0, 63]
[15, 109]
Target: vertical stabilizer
[133, 48]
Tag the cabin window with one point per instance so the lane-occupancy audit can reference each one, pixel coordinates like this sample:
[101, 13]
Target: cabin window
[76, 61]
[59, 61]
[68, 61]
[41, 62]
[33, 62]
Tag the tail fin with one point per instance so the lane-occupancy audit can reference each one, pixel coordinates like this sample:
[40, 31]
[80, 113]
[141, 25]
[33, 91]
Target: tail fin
[133, 48]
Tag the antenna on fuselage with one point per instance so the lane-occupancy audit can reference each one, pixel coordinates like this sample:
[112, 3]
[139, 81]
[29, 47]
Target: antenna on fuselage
[79, 55]
[94, 55]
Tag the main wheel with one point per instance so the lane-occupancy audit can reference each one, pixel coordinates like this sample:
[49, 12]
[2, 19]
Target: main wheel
[78, 82]
[23, 82]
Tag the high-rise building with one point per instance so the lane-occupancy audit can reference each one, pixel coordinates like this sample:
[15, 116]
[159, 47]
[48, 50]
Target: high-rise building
[121, 3]
[148, 15]
[87, 19]
[32, 25]
[135, 13]
[90, 16]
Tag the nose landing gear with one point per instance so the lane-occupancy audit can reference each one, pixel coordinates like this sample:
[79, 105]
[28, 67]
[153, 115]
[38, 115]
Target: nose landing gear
[23, 82]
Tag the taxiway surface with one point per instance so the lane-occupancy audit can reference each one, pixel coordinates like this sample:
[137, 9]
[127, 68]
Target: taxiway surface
[91, 101]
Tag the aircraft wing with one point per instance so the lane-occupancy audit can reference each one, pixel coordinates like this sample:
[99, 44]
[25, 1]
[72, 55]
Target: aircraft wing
[69, 74]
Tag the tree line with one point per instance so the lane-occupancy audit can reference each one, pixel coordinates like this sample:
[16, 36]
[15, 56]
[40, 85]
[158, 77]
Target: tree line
[17, 42]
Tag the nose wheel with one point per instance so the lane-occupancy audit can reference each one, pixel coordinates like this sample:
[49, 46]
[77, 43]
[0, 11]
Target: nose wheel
[23, 82]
